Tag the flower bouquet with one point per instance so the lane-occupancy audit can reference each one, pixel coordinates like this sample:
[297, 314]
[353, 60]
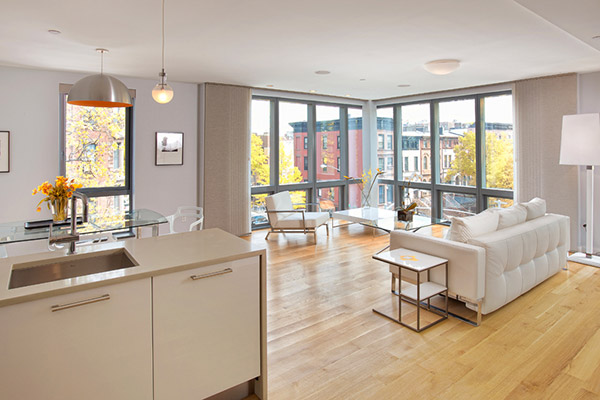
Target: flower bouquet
[366, 180]
[57, 196]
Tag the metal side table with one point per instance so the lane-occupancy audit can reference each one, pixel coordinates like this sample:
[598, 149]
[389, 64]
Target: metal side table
[404, 259]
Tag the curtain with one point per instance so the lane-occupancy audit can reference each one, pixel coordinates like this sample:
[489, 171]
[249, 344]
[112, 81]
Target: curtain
[225, 165]
[539, 106]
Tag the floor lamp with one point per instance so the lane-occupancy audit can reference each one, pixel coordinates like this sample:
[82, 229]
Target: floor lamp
[580, 145]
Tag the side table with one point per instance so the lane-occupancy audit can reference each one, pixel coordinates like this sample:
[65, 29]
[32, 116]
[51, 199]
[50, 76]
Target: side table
[404, 259]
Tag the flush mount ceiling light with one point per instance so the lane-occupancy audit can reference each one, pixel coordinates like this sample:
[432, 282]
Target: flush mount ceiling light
[442, 67]
[99, 90]
[162, 92]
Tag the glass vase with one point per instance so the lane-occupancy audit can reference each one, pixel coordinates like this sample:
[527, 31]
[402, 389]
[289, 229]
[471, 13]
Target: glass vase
[58, 207]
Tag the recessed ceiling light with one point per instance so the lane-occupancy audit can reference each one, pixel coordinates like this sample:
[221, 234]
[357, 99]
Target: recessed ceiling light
[54, 31]
[403, 85]
[269, 85]
[596, 37]
[442, 67]
[312, 91]
[322, 72]
[348, 95]
[362, 79]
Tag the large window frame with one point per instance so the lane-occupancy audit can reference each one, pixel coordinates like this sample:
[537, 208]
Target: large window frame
[127, 188]
[481, 193]
[312, 186]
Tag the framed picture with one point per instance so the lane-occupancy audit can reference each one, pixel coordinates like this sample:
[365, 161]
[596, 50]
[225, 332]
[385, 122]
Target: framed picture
[169, 148]
[4, 151]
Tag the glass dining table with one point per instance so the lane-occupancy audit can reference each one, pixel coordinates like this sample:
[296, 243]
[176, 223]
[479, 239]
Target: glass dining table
[23, 231]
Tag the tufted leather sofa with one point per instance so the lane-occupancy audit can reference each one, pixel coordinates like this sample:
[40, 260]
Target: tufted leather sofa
[491, 270]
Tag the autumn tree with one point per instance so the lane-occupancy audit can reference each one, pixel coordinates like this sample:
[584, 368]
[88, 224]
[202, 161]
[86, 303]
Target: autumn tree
[93, 136]
[498, 160]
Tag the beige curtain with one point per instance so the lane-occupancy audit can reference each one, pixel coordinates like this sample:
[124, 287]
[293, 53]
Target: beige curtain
[225, 162]
[539, 106]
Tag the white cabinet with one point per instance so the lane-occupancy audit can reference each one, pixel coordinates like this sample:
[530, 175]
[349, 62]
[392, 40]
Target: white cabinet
[101, 348]
[206, 329]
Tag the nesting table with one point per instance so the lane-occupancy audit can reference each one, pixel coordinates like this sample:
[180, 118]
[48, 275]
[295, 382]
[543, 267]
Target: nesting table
[419, 264]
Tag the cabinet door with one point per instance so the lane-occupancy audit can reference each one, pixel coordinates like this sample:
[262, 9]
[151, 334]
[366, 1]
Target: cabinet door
[206, 330]
[100, 349]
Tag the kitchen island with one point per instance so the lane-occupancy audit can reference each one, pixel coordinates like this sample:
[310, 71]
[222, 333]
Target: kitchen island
[186, 320]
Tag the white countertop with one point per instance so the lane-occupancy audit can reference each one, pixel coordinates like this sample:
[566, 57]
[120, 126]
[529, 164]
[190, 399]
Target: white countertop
[155, 256]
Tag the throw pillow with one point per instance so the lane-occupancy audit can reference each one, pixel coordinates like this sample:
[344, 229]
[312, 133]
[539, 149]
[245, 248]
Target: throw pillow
[535, 208]
[465, 228]
[511, 216]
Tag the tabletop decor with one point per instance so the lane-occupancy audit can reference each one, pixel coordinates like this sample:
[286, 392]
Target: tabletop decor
[406, 213]
[367, 179]
[57, 196]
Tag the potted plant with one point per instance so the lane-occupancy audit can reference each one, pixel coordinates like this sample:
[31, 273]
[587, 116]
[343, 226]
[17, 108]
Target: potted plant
[57, 196]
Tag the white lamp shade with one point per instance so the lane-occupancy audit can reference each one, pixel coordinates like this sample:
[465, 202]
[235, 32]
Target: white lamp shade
[580, 140]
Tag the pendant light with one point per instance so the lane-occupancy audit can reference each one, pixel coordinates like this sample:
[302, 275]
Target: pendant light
[162, 92]
[99, 90]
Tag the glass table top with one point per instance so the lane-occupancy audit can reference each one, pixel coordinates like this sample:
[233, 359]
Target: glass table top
[12, 232]
[386, 220]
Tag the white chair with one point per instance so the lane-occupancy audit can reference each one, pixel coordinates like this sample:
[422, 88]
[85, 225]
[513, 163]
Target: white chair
[284, 218]
[185, 212]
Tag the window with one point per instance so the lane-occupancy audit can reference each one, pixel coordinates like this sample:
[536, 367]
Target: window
[260, 148]
[390, 163]
[96, 153]
[293, 120]
[470, 146]
[457, 138]
[381, 163]
[302, 133]
[385, 129]
[381, 194]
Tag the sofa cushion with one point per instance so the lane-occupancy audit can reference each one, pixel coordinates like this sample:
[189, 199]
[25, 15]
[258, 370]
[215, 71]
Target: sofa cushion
[465, 228]
[511, 216]
[535, 208]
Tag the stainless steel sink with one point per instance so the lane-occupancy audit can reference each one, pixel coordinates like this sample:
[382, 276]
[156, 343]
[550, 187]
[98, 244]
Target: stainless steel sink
[33, 273]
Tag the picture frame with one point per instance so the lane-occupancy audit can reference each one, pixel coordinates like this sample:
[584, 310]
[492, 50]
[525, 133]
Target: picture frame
[4, 151]
[168, 149]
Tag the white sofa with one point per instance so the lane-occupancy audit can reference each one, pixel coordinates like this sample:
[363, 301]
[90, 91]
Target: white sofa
[489, 268]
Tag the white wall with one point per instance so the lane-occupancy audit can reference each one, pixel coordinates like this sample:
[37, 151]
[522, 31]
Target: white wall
[589, 102]
[29, 109]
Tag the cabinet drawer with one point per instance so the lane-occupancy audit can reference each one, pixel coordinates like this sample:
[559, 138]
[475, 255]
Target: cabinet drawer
[92, 346]
[206, 329]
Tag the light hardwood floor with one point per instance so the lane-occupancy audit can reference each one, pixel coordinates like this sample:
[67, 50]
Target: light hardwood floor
[324, 342]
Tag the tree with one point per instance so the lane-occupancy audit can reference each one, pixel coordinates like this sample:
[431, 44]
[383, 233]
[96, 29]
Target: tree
[498, 160]
[463, 164]
[93, 136]
[259, 162]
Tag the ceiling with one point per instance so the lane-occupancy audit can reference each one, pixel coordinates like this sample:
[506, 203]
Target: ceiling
[369, 47]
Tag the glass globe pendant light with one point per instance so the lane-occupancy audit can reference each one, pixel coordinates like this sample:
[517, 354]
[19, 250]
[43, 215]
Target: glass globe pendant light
[162, 92]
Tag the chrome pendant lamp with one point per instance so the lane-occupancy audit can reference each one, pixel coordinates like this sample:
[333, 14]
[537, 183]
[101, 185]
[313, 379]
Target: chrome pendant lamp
[99, 90]
[162, 92]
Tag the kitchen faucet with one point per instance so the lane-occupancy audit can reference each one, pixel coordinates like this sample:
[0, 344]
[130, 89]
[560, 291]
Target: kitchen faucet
[73, 236]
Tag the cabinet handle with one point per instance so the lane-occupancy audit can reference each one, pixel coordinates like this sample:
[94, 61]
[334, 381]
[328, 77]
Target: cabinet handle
[59, 307]
[211, 274]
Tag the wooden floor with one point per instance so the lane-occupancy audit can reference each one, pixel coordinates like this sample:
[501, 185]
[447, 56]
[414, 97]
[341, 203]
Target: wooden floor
[324, 342]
